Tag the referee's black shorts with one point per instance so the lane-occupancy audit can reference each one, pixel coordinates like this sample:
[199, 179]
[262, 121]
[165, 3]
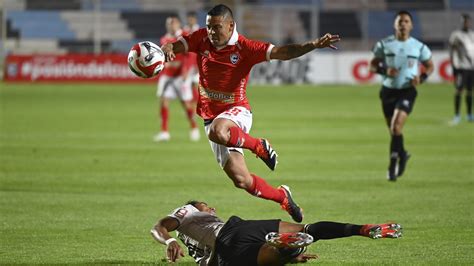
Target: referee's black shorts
[239, 241]
[403, 99]
[463, 78]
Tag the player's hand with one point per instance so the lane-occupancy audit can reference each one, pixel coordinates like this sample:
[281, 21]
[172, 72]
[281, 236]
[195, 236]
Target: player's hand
[174, 252]
[327, 40]
[168, 51]
[415, 81]
[392, 72]
[302, 258]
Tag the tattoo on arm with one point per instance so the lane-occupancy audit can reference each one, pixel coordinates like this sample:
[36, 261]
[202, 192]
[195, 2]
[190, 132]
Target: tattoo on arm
[291, 51]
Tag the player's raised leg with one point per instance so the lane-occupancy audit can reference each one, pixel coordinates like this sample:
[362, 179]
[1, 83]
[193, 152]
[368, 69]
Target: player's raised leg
[237, 171]
[226, 132]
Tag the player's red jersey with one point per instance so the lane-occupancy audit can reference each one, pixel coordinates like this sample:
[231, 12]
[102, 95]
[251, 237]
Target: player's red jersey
[190, 57]
[224, 73]
[176, 67]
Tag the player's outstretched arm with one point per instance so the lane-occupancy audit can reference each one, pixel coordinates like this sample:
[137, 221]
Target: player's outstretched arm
[160, 233]
[290, 51]
[171, 49]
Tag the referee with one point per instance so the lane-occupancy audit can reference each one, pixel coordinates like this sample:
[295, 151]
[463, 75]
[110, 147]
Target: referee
[461, 54]
[397, 58]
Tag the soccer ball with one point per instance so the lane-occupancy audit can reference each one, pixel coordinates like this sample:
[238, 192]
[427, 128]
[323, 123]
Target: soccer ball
[146, 59]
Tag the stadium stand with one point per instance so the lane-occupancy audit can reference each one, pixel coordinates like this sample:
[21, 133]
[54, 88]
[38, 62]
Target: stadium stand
[83, 24]
[175, 5]
[39, 24]
[139, 23]
[53, 5]
[120, 5]
[84, 46]
[345, 23]
[354, 5]
[415, 5]
[69, 25]
[461, 4]
[288, 2]
[274, 25]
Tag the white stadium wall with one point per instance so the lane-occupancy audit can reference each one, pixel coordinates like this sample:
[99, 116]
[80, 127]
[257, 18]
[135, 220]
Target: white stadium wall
[335, 67]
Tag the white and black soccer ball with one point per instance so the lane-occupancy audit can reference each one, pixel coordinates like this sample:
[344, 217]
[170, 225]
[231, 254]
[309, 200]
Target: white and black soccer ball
[146, 59]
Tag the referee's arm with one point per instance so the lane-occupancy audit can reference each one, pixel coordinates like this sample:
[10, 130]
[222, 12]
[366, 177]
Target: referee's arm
[429, 67]
[377, 65]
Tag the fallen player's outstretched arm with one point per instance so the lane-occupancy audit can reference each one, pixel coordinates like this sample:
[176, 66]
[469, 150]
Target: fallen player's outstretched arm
[160, 232]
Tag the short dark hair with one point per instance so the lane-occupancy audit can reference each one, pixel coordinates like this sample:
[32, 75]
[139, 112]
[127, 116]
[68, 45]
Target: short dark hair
[193, 202]
[221, 10]
[191, 14]
[174, 16]
[404, 12]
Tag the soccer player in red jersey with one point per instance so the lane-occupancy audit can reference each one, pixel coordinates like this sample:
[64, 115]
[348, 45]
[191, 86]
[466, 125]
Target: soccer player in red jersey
[225, 59]
[172, 84]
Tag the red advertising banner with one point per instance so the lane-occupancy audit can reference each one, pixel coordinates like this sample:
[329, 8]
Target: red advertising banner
[71, 67]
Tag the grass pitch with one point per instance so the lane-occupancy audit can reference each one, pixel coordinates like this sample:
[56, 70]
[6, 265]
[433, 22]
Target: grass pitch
[82, 182]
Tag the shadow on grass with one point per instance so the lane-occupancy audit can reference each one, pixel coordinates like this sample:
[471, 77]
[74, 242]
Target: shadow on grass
[136, 262]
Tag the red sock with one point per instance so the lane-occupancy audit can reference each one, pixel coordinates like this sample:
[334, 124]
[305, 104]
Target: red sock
[260, 188]
[238, 138]
[164, 119]
[190, 115]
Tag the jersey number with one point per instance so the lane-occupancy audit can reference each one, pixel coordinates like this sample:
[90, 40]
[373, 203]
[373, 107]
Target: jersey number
[233, 111]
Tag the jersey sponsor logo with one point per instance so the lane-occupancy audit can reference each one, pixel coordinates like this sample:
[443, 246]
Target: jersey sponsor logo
[216, 95]
[234, 58]
[181, 213]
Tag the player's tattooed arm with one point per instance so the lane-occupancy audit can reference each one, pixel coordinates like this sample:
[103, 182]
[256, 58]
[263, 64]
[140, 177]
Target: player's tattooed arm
[291, 51]
[171, 49]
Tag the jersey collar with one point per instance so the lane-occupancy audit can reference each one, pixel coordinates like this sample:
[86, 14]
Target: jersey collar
[235, 36]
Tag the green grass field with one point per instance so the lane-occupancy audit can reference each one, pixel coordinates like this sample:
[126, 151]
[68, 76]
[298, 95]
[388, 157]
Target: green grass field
[82, 182]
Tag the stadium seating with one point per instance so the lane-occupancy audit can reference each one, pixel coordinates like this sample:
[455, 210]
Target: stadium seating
[461, 4]
[139, 22]
[120, 5]
[345, 23]
[415, 5]
[83, 24]
[289, 2]
[354, 5]
[39, 25]
[53, 5]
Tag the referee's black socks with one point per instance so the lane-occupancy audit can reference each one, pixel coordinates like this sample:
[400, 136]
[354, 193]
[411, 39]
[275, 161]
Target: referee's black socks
[396, 145]
[330, 230]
